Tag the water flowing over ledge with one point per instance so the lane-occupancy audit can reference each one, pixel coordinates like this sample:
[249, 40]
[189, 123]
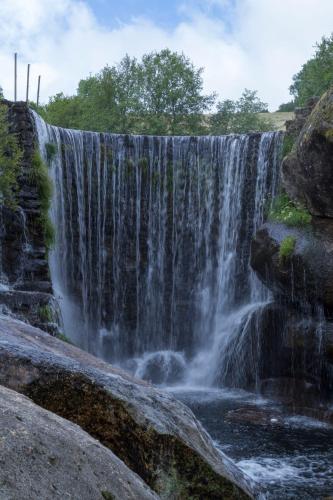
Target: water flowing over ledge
[153, 245]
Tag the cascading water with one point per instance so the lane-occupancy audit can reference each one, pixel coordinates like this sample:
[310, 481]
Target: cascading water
[153, 244]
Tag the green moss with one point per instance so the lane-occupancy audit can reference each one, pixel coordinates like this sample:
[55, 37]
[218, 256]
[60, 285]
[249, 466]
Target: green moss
[10, 160]
[62, 336]
[287, 248]
[170, 177]
[107, 495]
[129, 167]
[45, 313]
[287, 212]
[155, 178]
[39, 177]
[288, 143]
[51, 151]
[143, 165]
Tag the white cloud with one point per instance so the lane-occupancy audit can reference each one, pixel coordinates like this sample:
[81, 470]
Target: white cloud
[268, 43]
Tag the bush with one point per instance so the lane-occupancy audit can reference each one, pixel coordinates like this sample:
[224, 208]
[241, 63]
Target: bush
[287, 248]
[287, 212]
[10, 159]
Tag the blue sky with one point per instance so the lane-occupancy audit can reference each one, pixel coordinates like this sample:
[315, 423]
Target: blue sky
[165, 13]
[255, 44]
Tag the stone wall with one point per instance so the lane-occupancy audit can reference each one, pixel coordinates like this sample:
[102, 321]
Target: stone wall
[26, 289]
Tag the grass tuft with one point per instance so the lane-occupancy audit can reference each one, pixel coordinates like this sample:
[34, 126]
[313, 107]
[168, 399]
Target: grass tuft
[287, 248]
[288, 212]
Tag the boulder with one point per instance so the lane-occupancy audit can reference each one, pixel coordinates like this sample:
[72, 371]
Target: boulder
[306, 276]
[307, 172]
[45, 456]
[154, 434]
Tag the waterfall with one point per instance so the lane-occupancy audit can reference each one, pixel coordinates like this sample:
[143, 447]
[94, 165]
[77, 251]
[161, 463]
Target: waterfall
[151, 260]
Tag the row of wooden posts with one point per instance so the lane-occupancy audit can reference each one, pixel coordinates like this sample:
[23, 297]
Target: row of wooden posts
[28, 82]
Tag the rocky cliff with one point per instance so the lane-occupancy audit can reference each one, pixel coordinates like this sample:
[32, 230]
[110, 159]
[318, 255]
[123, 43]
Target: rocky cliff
[293, 256]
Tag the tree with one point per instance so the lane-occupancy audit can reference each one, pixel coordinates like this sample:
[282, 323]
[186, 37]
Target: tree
[62, 111]
[316, 74]
[241, 116]
[161, 94]
[172, 94]
[287, 106]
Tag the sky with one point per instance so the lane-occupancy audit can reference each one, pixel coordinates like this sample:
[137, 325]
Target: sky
[255, 44]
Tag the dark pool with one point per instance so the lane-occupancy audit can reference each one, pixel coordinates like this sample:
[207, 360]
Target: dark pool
[290, 456]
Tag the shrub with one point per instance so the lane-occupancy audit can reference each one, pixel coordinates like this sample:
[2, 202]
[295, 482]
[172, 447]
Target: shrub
[287, 212]
[287, 248]
[10, 159]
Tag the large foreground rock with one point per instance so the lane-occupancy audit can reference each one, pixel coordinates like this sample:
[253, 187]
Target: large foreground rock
[154, 434]
[308, 171]
[45, 456]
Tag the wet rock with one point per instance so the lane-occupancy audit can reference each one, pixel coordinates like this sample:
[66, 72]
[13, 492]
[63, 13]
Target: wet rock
[37, 308]
[44, 456]
[304, 276]
[34, 286]
[163, 367]
[308, 170]
[154, 434]
[255, 416]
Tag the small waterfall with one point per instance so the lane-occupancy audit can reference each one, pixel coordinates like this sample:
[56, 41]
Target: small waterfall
[152, 249]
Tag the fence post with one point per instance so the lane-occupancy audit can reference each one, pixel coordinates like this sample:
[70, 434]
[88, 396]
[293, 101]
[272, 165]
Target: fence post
[28, 77]
[15, 76]
[38, 90]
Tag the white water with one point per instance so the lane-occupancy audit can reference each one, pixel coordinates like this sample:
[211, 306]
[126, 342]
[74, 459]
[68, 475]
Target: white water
[152, 251]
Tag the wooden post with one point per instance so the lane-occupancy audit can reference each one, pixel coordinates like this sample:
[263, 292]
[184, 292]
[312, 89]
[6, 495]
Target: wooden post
[15, 76]
[28, 78]
[38, 91]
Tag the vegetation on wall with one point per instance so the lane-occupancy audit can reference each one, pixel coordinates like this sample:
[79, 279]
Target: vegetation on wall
[287, 248]
[10, 158]
[288, 144]
[286, 211]
[39, 177]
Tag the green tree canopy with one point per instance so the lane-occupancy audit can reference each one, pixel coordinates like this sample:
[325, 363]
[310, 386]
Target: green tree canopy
[316, 74]
[161, 94]
[241, 116]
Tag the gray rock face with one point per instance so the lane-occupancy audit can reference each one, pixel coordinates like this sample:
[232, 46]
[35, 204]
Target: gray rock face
[154, 434]
[44, 456]
[37, 308]
[307, 275]
[308, 171]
